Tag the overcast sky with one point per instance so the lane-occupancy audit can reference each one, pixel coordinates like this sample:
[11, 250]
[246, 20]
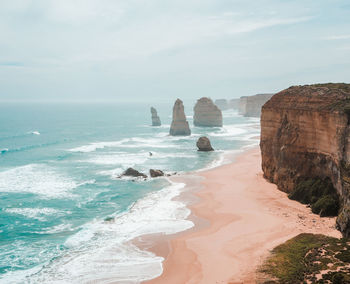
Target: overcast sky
[121, 50]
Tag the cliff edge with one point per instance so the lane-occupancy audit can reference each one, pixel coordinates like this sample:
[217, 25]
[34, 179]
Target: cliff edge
[305, 142]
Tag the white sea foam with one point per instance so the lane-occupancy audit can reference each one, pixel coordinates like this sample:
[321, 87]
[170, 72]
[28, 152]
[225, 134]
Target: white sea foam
[36, 213]
[136, 142]
[34, 132]
[3, 151]
[229, 130]
[102, 252]
[38, 179]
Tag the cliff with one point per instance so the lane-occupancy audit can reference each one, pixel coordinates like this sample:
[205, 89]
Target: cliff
[155, 118]
[222, 104]
[251, 105]
[179, 125]
[206, 113]
[234, 103]
[305, 142]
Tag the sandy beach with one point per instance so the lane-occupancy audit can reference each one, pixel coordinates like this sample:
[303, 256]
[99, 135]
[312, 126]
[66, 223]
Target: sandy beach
[239, 218]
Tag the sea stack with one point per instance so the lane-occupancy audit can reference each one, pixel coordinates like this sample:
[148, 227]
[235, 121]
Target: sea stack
[179, 125]
[305, 146]
[155, 117]
[204, 145]
[207, 114]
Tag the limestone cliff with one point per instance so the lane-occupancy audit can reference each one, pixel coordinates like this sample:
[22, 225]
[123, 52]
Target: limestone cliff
[251, 105]
[155, 117]
[206, 113]
[222, 104]
[179, 125]
[305, 133]
[234, 103]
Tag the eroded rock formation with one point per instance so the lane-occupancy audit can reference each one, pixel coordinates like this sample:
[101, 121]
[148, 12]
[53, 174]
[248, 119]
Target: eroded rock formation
[204, 144]
[251, 105]
[207, 114]
[130, 172]
[234, 103]
[305, 134]
[179, 125]
[155, 117]
[156, 173]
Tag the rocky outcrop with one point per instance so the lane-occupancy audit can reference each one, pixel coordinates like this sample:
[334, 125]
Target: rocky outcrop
[155, 117]
[207, 114]
[130, 172]
[179, 125]
[251, 105]
[204, 144]
[156, 173]
[222, 104]
[305, 134]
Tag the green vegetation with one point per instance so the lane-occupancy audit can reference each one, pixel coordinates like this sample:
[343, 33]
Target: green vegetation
[306, 256]
[320, 194]
[337, 86]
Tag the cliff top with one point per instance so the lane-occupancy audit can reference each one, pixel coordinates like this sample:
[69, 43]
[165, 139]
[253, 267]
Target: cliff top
[320, 97]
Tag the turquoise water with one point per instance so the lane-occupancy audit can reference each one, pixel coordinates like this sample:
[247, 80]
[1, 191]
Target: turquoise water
[59, 168]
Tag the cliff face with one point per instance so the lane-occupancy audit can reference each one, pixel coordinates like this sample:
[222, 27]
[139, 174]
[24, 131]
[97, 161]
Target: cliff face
[179, 125]
[234, 103]
[206, 113]
[222, 104]
[305, 133]
[251, 106]
[155, 117]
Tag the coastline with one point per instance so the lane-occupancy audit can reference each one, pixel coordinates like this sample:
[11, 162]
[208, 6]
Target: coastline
[239, 217]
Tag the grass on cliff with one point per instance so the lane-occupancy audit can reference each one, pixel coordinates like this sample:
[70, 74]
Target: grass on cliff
[320, 194]
[308, 257]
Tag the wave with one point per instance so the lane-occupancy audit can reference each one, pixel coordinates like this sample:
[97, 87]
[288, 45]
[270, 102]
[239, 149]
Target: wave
[37, 179]
[135, 142]
[36, 213]
[34, 132]
[103, 252]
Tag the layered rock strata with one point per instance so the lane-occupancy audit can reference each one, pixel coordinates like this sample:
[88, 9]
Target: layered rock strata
[207, 114]
[179, 125]
[155, 117]
[305, 134]
[251, 105]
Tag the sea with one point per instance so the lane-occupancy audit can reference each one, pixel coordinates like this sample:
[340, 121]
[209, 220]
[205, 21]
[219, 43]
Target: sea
[66, 216]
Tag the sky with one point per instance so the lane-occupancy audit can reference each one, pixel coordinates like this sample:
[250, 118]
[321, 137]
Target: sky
[158, 50]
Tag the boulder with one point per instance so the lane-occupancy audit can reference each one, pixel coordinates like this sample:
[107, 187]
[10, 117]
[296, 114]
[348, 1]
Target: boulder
[204, 144]
[179, 125]
[207, 114]
[155, 117]
[156, 173]
[130, 172]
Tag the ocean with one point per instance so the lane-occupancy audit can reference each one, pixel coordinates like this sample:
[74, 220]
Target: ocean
[66, 216]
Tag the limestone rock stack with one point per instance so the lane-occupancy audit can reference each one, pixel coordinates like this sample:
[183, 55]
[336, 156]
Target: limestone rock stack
[155, 117]
[305, 134]
[204, 144]
[179, 125]
[207, 114]
[251, 105]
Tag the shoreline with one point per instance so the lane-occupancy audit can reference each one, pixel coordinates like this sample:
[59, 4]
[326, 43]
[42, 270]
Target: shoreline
[239, 217]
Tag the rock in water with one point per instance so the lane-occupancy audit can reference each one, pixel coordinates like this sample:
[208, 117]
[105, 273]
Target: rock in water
[204, 145]
[305, 139]
[156, 173]
[179, 125]
[206, 113]
[130, 172]
[155, 117]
